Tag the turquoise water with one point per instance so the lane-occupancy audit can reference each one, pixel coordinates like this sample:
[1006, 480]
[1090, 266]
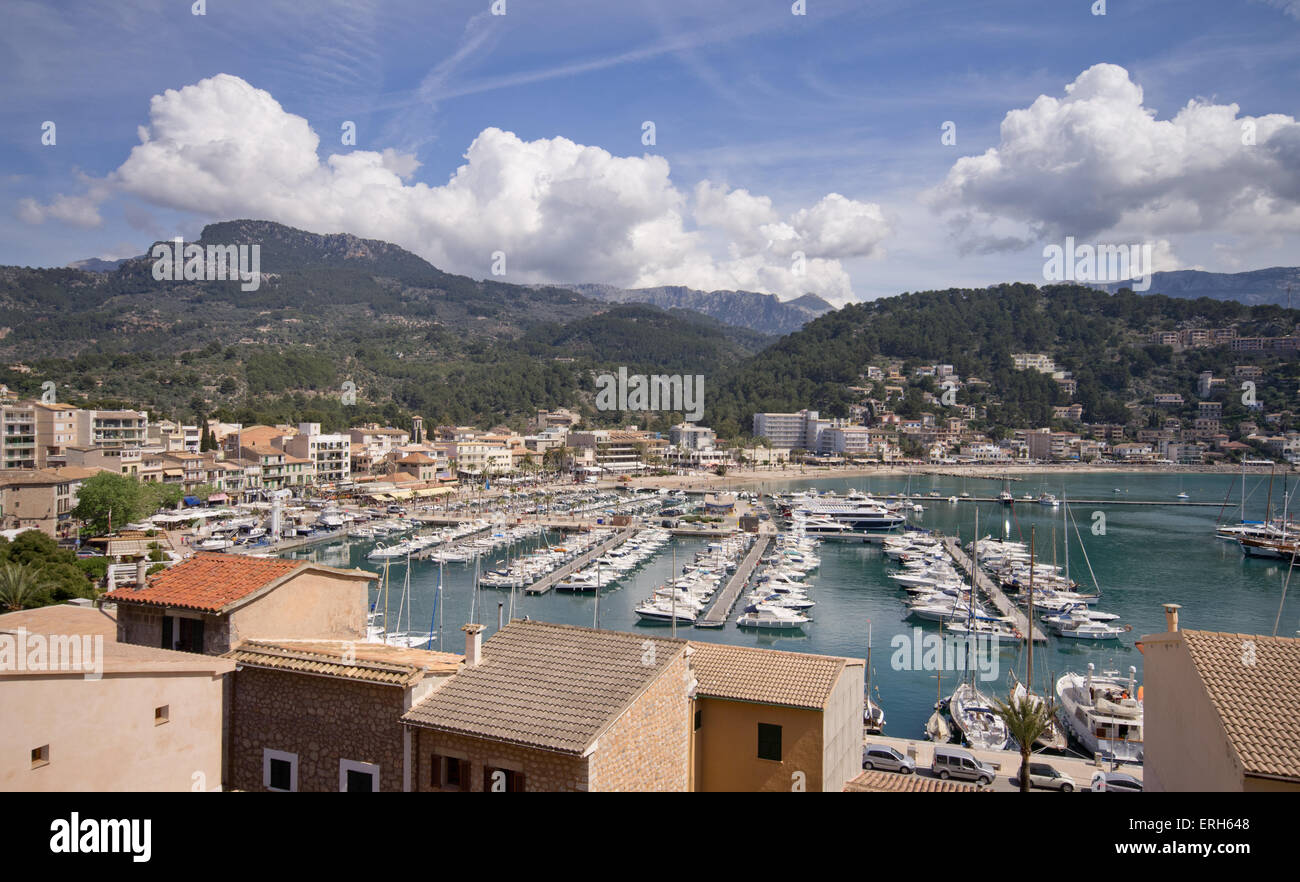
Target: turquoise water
[1148, 556]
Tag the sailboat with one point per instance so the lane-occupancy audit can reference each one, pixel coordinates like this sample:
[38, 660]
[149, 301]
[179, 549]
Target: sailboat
[1053, 738]
[873, 715]
[936, 728]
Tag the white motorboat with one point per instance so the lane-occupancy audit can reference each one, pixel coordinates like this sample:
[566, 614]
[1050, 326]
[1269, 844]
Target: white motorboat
[1103, 712]
[765, 616]
[1090, 630]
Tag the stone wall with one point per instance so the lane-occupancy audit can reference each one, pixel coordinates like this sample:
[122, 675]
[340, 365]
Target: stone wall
[142, 625]
[321, 719]
[648, 747]
[542, 769]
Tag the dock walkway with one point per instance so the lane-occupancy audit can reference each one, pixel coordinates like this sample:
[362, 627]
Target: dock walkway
[992, 591]
[717, 615]
[551, 579]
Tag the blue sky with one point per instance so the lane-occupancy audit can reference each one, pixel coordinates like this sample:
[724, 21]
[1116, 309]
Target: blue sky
[760, 116]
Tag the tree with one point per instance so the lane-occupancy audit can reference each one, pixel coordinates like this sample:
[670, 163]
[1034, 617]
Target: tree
[23, 586]
[1027, 720]
[108, 497]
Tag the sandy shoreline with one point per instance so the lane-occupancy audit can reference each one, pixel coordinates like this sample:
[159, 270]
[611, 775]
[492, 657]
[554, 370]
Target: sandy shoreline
[740, 478]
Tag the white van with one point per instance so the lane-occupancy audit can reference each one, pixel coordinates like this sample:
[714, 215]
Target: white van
[950, 762]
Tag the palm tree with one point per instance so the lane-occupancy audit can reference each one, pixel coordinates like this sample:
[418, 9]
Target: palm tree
[22, 586]
[1027, 720]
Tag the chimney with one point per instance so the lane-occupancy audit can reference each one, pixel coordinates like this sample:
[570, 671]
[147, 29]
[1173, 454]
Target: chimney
[141, 568]
[473, 645]
[1171, 616]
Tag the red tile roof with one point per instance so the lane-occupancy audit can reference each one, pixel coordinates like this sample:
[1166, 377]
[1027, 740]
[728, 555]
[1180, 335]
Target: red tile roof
[209, 581]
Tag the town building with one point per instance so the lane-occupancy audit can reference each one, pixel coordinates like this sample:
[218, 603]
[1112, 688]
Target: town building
[1219, 710]
[325, 716]
[102, 715]
[212, 602]
[775, 721]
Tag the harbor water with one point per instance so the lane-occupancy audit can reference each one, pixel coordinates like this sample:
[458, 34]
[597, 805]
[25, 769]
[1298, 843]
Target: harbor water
[1140, 556]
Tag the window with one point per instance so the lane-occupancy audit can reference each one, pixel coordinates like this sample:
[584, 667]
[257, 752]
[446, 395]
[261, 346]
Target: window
[698, 718]
[769, 742]
[161, 714]
[448, 772]
[280, 770]
[502, 780]
[358, 777]
[40, 756]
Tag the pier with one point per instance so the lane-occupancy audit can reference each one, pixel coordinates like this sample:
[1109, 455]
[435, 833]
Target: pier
[551, 579]
[717, 615]
[993, 592]
[1186, 503]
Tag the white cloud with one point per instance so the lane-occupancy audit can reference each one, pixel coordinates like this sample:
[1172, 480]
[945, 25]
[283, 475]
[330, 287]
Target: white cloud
[1098, 161]
[560, 211]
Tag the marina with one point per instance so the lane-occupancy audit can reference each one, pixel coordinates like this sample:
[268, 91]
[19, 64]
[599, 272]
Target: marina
[717, 615]
[1219, 586]
[992, 591]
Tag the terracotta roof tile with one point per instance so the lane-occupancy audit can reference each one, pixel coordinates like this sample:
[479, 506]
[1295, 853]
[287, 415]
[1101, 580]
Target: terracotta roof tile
[552, 686]
[893, 782]
[212, 581]
[766, 676]
[362, 662]
[1252, 682]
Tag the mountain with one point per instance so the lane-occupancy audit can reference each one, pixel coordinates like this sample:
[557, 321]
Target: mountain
[97, 265]
[1253, 288]
[1103, 339]
[329, 309]
[765, 313]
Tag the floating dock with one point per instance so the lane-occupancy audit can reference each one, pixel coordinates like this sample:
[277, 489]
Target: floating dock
[717, 615]
[993, 591]
[551, 579]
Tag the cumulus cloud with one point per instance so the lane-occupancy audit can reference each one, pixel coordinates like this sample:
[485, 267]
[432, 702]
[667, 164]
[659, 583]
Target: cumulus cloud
[560, 211]
[1098, 161]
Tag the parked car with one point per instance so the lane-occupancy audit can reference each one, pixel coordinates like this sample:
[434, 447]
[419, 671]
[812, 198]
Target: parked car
[950, 762]
[1115, 782]
[1046, 776]
[881, 756]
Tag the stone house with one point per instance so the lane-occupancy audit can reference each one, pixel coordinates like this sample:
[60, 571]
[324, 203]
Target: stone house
[212, 602]
[325, 716]
[557, 707]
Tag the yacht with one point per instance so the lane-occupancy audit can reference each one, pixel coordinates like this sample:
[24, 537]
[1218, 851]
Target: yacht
[661, 609]
[973, 713]
[1103, 712]
[1090, 630]
[765, 616]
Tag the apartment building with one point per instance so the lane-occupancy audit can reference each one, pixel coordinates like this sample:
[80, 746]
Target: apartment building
[56, 430]
[845, 441]
[1036, 361]
[112, 428]
[18, 437]
[329, 454]
[692, 437]
[796, 431]
[39, 498]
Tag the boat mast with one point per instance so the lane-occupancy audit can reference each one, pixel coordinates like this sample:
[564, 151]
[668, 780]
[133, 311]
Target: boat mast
[1029, 635]
[1065, 527]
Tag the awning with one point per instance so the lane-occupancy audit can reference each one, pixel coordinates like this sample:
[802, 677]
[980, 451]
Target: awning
[218, 497]
[193, 500]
